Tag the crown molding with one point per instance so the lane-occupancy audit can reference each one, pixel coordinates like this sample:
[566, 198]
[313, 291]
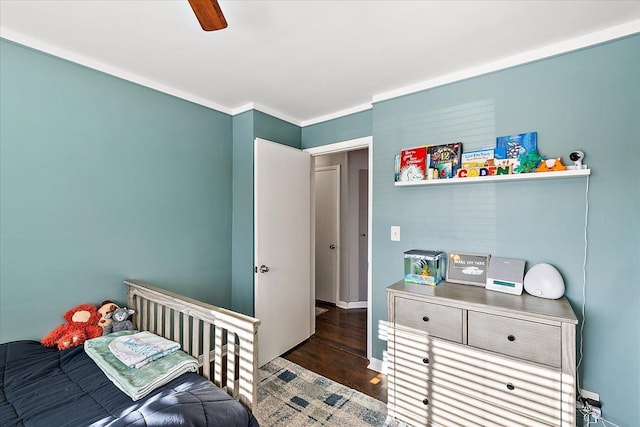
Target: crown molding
[338, 114]
[242, 109]
[576, 43]
[266, 110]
[548, 51]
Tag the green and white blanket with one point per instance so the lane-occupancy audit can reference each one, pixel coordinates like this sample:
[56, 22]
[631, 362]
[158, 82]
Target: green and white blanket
[137, 383]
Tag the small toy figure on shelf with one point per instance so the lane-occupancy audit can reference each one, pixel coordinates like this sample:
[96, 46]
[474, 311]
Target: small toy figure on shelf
[529, 162]
[551, 165]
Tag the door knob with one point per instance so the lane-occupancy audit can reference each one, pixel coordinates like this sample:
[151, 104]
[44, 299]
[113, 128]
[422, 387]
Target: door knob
[264, 269]
[332, 246]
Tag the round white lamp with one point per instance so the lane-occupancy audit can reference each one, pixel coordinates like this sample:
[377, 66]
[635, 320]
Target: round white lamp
[544, 281]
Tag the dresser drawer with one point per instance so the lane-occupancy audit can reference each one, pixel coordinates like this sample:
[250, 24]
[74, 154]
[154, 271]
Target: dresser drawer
[532, 341]
[443, 407]
[418, 359]
[436, 406]
[437, 320]
[515, 386]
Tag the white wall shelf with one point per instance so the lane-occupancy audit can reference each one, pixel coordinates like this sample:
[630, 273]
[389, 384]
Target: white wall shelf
[493, 178]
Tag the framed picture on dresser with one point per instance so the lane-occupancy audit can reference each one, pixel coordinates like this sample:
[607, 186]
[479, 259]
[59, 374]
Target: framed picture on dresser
[468, 269]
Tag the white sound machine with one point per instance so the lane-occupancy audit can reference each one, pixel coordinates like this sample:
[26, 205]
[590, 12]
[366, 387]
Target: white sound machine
[505, 275]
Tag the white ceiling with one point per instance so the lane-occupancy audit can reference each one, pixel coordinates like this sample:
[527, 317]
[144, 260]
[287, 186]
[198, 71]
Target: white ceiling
[305, 61]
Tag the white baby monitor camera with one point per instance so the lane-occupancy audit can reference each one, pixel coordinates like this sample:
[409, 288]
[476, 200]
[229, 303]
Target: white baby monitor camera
[576, 157]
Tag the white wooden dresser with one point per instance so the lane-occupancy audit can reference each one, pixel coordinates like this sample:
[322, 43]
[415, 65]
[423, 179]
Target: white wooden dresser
[461, 355]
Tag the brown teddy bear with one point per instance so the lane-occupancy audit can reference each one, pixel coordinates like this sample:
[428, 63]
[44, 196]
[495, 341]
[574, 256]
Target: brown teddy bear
[82, 324]
[104, 308]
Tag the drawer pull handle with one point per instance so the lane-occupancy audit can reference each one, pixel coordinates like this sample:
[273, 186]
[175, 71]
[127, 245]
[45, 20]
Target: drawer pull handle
[425, 318]
[510, 386]
[511, 338]
[425, 360]
[425, 401]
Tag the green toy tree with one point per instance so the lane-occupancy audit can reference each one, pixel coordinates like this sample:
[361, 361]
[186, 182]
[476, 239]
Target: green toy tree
[529, 161]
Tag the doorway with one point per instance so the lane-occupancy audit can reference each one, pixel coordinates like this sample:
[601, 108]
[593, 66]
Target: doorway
[341, 210]
[337, 331]
[354, 284]
[267, 269]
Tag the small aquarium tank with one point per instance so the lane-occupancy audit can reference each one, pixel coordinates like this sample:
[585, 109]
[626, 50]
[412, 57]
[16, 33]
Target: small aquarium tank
[424, 267]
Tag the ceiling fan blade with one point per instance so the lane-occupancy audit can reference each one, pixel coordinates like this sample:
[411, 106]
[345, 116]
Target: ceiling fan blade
[209, 14]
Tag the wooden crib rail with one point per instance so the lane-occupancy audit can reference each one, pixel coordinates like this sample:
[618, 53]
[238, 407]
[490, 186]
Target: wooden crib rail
[225, 342]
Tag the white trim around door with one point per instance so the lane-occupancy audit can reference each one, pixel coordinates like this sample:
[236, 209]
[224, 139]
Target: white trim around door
[351, 145]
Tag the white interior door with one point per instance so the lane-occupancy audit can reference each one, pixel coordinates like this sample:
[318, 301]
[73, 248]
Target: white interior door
[363, 231]
[282, 203]
[327, 253]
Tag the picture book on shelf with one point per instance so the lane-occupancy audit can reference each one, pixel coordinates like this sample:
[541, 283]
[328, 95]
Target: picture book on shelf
[477, 158]
[413, 164]
[513, 146]
[445, 170]
[396, 167]
[446, 153]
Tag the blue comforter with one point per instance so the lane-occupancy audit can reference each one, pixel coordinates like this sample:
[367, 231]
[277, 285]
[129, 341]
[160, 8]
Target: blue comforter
[40, 386]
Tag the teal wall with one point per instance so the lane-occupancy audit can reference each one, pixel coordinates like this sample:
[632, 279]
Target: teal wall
[246, 127]
[352, 126]
[242, 234]
[102, 180]
[276, 130]
[587, 100]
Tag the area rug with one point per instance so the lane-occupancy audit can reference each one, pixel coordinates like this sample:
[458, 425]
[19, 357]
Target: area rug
[289, 395]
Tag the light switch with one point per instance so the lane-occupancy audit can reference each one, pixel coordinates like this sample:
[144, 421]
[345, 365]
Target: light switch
[395, 233]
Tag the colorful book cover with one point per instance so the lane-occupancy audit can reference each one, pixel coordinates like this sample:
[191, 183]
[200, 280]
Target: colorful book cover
[413, 164]
[477, 158]
[513, 146]
[396, 168]
[446, 153]
[445, 170]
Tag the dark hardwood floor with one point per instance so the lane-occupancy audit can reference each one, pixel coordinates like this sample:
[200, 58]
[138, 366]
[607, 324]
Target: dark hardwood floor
[338, 351]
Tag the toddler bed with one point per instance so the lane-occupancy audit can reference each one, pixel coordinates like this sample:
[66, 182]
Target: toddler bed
[41, 386]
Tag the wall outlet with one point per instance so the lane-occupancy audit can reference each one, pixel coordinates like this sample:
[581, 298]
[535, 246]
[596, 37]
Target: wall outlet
[589, 395]
[395, 233]
[588, 412]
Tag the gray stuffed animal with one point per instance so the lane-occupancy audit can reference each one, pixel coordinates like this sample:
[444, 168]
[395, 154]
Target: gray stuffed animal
[119, 321]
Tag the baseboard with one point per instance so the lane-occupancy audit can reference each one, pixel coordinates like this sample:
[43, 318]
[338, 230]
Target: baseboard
[352, 304]
[377, 365]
